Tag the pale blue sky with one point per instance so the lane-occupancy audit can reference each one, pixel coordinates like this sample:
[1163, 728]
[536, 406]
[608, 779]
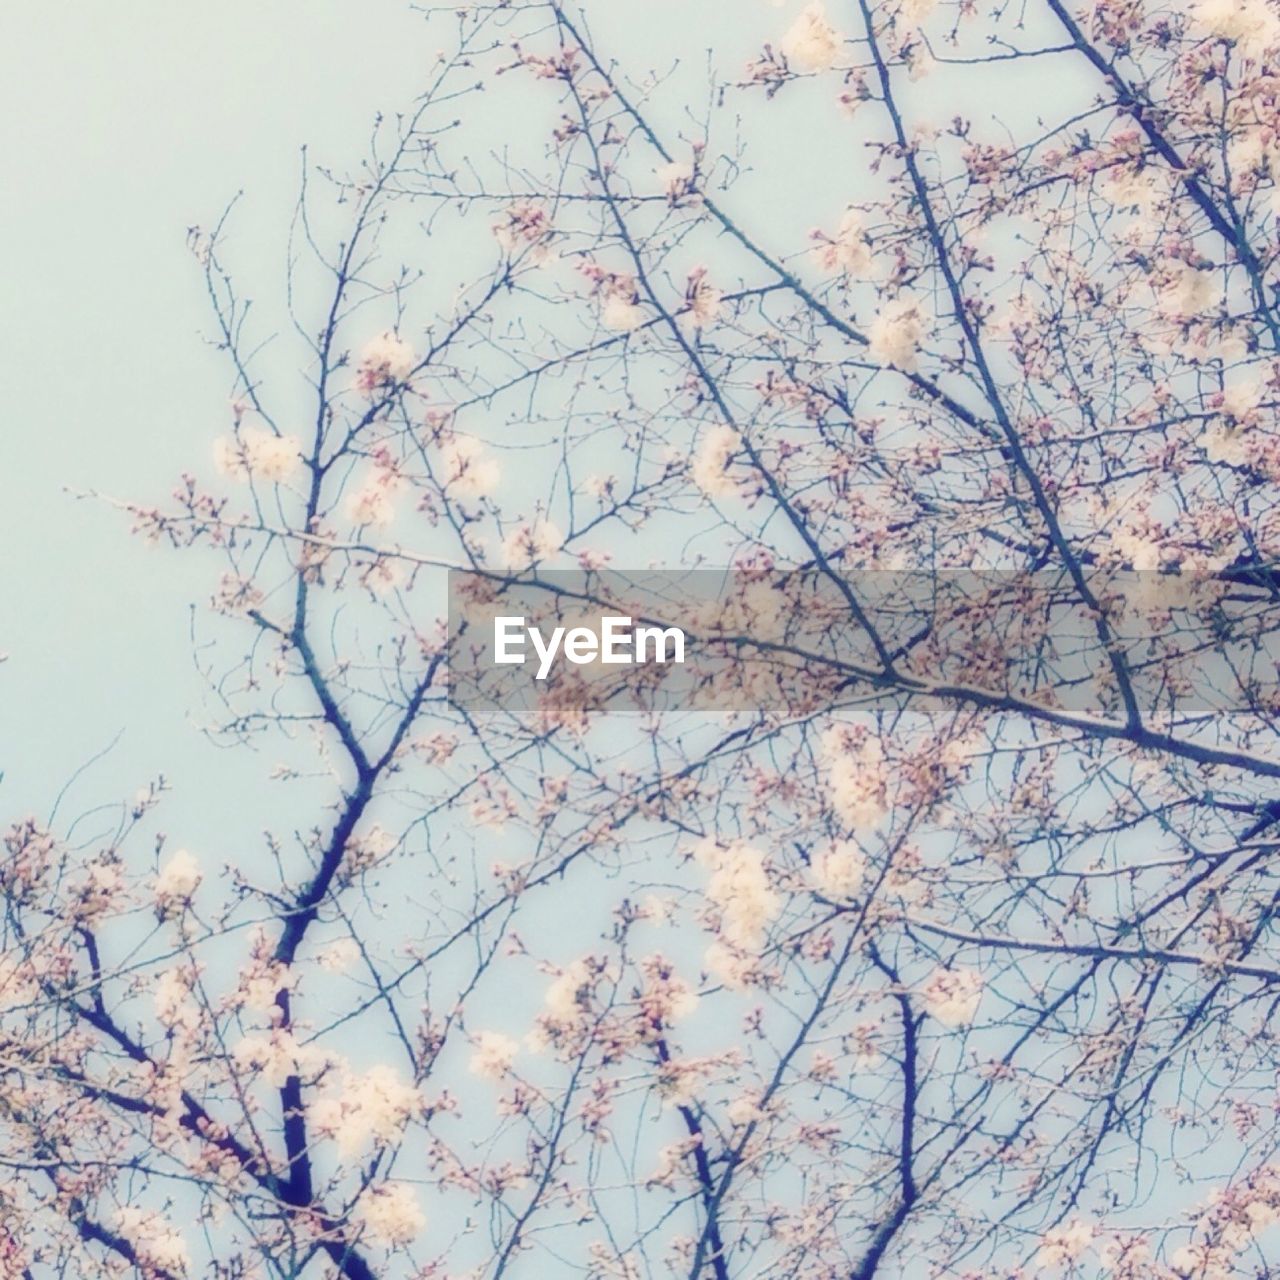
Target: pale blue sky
[121, 124]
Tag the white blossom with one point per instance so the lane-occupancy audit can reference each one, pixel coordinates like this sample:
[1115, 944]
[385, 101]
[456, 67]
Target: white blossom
[469, 470]
[895, 334]
[1227, 445]
[740, 888]
[157, 1243]
[178, 879]
[676, 179]
[667, 997]
[565, 996]
[1261, 1214]
[270, 456]
[172, 997]
[17, 985]
[371, 503]
[857, 778]
[339, 956]
[1130, 188]
[383, 575]
[620, 314]
[1247, 155]
[1188, 293]
[916, 11]
[1252, 24]
[920, 62]
[525, 224]
[276, 1056]
[369, 848]
[811, 43]
[702, 299]
[731, 965]
[847, 251]
[527, 544]
[709, 468]
[1140, 552]
[386, 359]
[743, 1111]
[838, 870]
[391, 1214]
[363, 1107]
[494, 1055]
[1242, 399]
[1194, 1259]
[952, 996]
[228, 458]
[1061, 1246]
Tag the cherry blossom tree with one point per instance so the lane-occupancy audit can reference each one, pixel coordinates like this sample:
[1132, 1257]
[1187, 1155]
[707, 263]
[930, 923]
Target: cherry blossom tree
[955, 956]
